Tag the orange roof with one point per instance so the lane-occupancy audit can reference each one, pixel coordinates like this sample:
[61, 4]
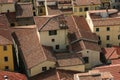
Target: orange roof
[113, 69]
[12, 76]
[28, 41]
[86, 2]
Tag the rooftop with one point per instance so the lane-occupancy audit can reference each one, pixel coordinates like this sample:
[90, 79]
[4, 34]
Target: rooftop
[52, 22]
[12, 76]
[113, 69]
[86, 2]
[93, 75]
[24, 10]
[104, 17]
[28, 42]
[68, 59]
[78, 34]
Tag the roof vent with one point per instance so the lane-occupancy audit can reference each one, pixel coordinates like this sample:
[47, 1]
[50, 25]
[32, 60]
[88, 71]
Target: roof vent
[5, 77]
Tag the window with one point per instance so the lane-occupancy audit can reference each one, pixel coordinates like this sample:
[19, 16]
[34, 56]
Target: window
[108, 29]
[75, 9]
[57, 47]
[107, 37]
[99, 42]
[118, 37]
[86, 59]
[53, 32]
[41, 10]
[108, 45]
[80, 9]
[97, 29]
[4, 47]
[53, 40]
[86, 9]
[44, 68]
[6, 67]
[5, 59]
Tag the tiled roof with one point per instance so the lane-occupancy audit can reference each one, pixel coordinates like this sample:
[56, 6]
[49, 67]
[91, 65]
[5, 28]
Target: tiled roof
[52, 22]
[68, 59]
[12, 76]
[112, 54]
[53, 10]
[86, 2]
[24, 10]
[106, 22]
[78, 34]
[7, 1]
[34, 53]
[93, 75]
[54, 74]
[4, 24]
[5, 37]
[113, 69]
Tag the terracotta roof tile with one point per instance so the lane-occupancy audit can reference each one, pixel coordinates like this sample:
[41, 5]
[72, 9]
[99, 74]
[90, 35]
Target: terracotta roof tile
[12, 76]
[5, 37]
[50, 22]
[78, 34]
[34, 53]
[113, 69]
[4, 24]
[7, 1]
[86, 2]
[54, 74]
[106, 22]
[24, 10]
[53, 10]
[68, 59]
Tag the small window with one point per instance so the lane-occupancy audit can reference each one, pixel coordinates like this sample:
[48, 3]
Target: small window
[97, 29]
[99, 42]
[107, 37]
[80, 9]
[118, 37]
[53, 40]
[57, 47]
[44, 68]
[86, 9]
[108, 29]
[53, 32]
[5, 59]
[86, 59]
[108, 45]
[75, 9]
[6, 67]
[4, 47]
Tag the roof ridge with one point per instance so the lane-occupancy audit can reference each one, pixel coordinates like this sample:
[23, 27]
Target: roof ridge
[45, 23]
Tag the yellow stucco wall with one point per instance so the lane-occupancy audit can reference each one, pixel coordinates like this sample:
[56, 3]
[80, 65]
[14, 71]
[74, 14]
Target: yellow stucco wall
[60, 39]
[8, 53]
[5, 7]
[38, 68]
[74, 68]
[76, 9]
[113, 33]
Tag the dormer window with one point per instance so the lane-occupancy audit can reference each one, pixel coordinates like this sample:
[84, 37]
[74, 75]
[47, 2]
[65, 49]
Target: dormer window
[53, 32]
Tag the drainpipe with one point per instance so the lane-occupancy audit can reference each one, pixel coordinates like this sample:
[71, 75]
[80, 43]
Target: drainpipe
[46, 10]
